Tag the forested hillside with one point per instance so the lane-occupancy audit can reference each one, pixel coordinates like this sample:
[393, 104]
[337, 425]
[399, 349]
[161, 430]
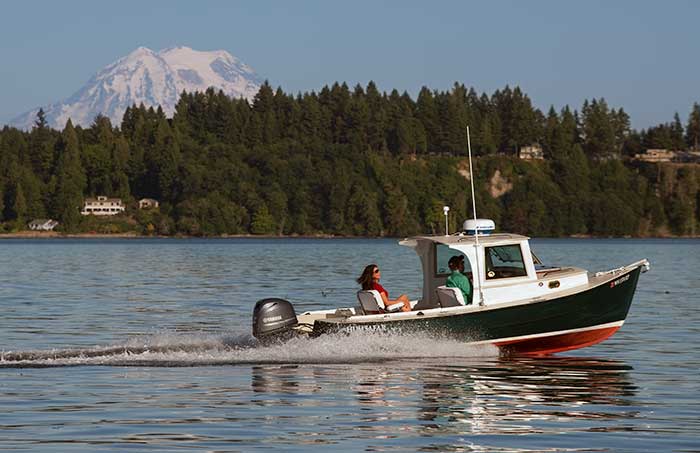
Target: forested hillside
[354, 162]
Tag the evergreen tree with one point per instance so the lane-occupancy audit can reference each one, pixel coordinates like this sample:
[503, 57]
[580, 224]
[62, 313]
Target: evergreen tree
[263, 101]
[311, 122]
[633, 144]
[677, 139]
[162, 163]
[620, 122]
[33, 197]
[42, 147]
[19, 206]
[2, 202]
[427, 114]
[571, 173]
[120, 161]
[599, 132]
[358, 119]
[692, 130]
[551, 131]
[71, 180]
[489, 130]
[454, 136]
[525, 127]
[96, 150]
[378, 118]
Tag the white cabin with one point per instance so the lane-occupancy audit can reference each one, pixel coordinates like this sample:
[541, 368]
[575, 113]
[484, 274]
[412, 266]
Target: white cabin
[501, 267]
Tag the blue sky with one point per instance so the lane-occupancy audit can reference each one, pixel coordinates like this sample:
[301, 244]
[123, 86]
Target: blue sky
[642, 56]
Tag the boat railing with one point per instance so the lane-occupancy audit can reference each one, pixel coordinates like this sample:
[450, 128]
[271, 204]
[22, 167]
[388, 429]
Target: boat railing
[645, 265]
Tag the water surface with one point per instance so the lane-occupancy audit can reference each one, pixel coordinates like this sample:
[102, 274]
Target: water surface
[145, 345]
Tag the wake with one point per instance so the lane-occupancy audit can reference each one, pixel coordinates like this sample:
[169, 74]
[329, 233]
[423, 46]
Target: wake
[189, 350]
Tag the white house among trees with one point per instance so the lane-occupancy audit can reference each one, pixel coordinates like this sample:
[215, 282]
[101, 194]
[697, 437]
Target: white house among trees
[103, 206]
[43, 224]
[148, 203]
[531, 152]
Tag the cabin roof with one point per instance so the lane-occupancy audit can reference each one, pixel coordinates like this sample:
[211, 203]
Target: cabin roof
[460, 238]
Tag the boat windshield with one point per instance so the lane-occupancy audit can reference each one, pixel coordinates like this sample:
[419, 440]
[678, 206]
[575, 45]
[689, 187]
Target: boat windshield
[504, 261]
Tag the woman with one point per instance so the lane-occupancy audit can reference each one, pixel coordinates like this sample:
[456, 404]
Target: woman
[369, 280]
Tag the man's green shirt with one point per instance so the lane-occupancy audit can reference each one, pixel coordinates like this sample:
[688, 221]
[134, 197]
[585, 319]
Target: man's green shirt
[459, 280]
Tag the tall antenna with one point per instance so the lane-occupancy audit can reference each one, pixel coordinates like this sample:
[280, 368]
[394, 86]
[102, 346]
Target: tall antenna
[476, 226]
[471, 180]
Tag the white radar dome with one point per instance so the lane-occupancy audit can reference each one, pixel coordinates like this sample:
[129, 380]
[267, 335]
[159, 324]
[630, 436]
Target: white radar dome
[482, 226]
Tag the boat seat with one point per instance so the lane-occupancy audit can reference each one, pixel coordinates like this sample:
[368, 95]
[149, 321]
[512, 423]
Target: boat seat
[426, 304]
[372, 302]
[450, 297]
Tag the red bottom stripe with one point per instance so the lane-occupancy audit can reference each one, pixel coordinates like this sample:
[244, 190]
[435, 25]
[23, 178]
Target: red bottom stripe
[556, 343]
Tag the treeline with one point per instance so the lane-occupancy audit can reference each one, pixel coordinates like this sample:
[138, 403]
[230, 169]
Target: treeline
[353, 162]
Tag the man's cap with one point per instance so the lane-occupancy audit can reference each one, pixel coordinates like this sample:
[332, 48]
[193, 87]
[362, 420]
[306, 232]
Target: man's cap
[456, 259]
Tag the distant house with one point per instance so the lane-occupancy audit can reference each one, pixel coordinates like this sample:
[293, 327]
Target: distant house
[656, 155]
[102, 206]
[43, 224]
[148, 203]
[531, 152]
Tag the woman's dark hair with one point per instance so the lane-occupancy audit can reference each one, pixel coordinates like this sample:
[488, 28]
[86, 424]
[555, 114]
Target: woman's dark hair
[366, 279]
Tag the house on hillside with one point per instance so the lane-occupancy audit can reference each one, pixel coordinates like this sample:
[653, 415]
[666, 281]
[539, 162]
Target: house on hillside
[531, 152]
[656, 155]
[103, 206]
[148, 203]
[42, 224]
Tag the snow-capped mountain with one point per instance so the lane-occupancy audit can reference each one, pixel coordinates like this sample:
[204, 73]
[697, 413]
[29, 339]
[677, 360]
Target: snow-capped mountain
[151, 78]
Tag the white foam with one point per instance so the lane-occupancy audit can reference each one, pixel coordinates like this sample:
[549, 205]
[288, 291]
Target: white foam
[174, 349]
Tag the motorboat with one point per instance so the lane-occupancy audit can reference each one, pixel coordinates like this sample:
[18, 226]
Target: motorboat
[518, 304]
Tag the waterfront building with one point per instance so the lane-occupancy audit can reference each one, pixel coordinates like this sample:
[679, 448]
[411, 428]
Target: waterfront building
[42, 224]
[103, 206]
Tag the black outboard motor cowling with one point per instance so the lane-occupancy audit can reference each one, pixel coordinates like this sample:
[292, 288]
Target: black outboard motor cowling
[273, 317]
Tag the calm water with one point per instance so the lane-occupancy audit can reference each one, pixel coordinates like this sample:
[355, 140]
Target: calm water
[144, 345]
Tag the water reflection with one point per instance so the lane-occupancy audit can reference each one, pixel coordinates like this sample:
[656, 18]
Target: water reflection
[515, 396]
[438, 397]
[275, 379]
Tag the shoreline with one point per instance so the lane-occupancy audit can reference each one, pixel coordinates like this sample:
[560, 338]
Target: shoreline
[133, 235]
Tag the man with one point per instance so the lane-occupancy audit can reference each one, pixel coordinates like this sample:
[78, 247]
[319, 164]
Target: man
[457, 279]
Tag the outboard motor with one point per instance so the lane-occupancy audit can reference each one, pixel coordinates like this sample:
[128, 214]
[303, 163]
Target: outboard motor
[273, 319]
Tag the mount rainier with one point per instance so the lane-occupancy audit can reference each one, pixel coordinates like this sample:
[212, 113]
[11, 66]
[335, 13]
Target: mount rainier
[151, 78]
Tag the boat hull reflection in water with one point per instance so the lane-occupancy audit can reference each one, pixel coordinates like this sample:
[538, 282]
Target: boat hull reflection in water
[463, 397]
